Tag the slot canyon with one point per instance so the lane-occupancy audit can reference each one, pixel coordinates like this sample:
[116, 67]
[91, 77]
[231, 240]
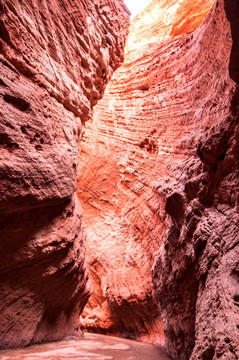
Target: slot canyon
[119, 186]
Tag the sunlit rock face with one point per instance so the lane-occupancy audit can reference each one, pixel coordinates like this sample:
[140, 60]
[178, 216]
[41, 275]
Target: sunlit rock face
[164, 20]
[56, 58]
[146, 162]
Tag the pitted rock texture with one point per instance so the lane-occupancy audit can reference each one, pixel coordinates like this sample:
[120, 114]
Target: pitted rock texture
[196, 272]
[56, 58]
[156, 109]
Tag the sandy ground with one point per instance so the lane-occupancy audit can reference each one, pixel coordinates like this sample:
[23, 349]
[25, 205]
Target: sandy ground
[91, 346]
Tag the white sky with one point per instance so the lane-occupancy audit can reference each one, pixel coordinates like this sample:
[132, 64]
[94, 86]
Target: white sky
[135, 6]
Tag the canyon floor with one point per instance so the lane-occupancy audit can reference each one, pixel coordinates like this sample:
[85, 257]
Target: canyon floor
[90, 346]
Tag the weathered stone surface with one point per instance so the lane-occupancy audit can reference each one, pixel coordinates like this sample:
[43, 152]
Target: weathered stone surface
[56, 58]
[147, 141]
[164, 20]
[196, 272]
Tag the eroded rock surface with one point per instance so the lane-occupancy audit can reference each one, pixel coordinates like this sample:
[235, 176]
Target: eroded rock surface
[56, 58]
[164, 20]
[196, 272]
[149, 155]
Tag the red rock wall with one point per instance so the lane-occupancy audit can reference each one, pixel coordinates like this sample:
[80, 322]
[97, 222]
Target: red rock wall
[196, 271]
[56, 58]
[164, 20]
[159, 170]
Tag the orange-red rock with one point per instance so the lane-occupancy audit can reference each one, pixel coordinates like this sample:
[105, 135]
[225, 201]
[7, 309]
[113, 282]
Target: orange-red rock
[164, 20]
[56, 58]
[196, 271]
[163, 144]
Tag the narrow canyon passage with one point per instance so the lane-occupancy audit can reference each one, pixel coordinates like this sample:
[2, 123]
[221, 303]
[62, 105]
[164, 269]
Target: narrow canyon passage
[119, 186]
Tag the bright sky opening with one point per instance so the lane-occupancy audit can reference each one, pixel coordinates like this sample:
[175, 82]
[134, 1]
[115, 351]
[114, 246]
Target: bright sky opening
[136, 6]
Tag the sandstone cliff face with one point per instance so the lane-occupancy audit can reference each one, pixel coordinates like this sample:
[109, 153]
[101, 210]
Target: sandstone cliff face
[144, 145]
[164, 20]
[56, 58]
[196, 272]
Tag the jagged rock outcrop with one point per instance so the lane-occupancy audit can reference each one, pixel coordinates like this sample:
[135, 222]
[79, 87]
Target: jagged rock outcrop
[56, 58]
[147, 157]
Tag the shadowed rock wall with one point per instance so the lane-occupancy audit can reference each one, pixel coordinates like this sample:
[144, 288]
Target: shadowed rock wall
[159, 170]
[196, 271]
[56, 58]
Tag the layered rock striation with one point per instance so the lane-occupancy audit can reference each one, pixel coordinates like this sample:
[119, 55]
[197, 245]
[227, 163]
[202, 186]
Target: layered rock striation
[196, 271]
[158, 182]
[56, 58]
[164, 20]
